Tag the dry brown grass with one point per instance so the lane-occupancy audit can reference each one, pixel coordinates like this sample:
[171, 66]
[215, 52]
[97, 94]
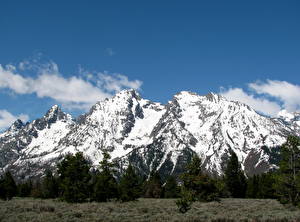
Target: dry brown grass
[28, 209]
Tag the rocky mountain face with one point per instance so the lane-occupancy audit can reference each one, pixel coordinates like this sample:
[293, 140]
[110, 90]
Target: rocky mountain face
[24, 148]
[149, 135]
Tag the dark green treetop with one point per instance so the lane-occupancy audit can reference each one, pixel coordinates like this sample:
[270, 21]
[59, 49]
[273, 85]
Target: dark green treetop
[171, 188]
[234, 177]
[8, 187]
[130, 187]
[49, 186]
[74, 175]
[153, 187]
[197, 186]
[288, 180]
[106, 187]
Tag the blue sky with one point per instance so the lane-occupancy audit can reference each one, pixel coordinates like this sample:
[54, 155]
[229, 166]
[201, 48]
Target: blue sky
[87, 50]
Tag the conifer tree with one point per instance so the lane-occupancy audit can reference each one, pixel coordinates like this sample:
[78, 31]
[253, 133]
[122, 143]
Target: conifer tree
[253, 187]
[196, 186]
[221, 187]
[8, 187]
[2, 190]
[262, 186]
[234, 177]
[36, 190]
[74, 175]
[129, 185]
[186, 200]
[266, 185]
[92, 182]
[200, 184]
[106, 187]
[192, 173]
[153, 187]
[24, 189]
[49, 185]
[171, 189]
[288, 185]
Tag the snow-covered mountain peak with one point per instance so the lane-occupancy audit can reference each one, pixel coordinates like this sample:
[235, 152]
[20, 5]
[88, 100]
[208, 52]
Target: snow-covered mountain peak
[121, 103]
[185, 96]
[117, 103]
[149, 135]
[191, 97]
[55, 113]
[54, 108]
[16, 126]
[213, 97]
[185, 93]
[127, 94]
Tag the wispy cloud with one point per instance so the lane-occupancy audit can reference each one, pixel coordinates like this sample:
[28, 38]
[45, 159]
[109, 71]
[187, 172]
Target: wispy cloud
[116, 82]
[6, 119]
[287, 93]
[262, 105]
[110, 52]
[75, 92]
[267, 97]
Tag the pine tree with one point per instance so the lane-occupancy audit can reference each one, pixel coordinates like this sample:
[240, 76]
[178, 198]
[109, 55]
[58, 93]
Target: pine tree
[262, 186]
[8, 187]
[234, 177]
[49, 185]
[92, 183]
[153, 187]
[196, 186]
[221, 187]
[253, 187]
[36, 190]
[74, 176]
[129, 185]
[106, 187]
[171, 189]
[2, 190]
[201, 185]
[186, 200]
[288, 185]
[24, 189]
[266, 185]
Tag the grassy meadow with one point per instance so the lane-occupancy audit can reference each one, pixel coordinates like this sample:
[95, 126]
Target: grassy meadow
[29, 209]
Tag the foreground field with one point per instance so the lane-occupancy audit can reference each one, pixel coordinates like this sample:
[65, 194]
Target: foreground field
[27, 209]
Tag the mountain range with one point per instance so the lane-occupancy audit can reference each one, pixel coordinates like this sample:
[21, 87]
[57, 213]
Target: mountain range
[150, 136]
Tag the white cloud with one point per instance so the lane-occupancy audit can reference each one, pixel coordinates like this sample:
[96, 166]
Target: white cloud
[116, 82]
[287, 93]
[259, 104]
[6, 118]
[73, 92]
[285, 96]
[12, 81]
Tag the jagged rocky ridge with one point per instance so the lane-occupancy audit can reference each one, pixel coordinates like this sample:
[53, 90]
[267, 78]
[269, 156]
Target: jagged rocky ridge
[151, 136]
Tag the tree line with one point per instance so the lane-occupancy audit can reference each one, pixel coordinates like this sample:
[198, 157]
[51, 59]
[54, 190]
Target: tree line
[76, 182]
